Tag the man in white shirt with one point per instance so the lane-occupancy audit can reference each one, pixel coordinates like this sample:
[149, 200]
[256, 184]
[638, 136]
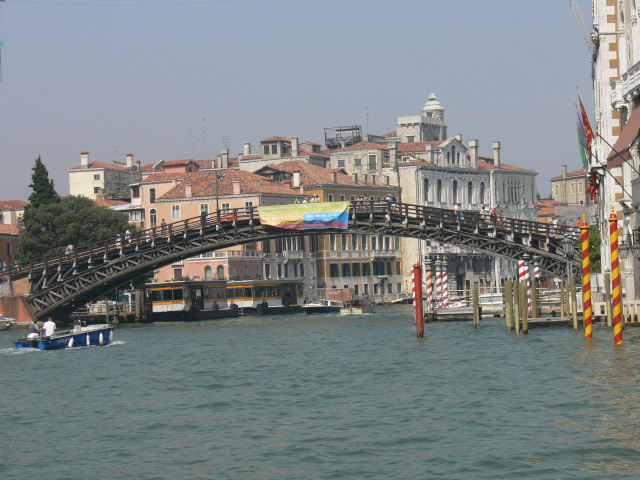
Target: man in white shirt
[49, 327]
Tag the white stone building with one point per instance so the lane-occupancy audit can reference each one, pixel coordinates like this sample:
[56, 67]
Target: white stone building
[441, 172]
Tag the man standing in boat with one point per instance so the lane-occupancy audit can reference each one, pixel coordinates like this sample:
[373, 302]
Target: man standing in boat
[49, 327]
[33, 329]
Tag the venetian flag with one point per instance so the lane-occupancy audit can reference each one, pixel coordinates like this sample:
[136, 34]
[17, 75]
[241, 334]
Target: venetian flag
[582, 141]
[586, 127]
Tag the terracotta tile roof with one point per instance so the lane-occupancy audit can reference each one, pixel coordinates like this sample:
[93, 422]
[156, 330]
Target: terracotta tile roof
[391, 134]
[146, 168]
[307, 142]
[576, 173]
[251, 157]
[362, 146]
[161, 177]
[110, 166]
[276, 139]
[12, 205]
[546, 207]
[306, 153]
[312, 174]
[250, 183]
[113, 203]
[8, 229]
[418, 146]
[172, 163]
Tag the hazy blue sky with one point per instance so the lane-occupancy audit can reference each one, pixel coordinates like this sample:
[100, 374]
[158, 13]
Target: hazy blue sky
[135, 75]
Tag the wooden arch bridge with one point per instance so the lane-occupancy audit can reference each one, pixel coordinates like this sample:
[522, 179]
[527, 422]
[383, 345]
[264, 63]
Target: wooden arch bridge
[60, 283]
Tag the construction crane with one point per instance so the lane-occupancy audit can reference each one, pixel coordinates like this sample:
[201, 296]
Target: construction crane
[583, 28]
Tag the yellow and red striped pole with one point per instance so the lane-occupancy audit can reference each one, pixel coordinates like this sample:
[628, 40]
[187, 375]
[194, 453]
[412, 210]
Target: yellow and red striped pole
[586, 280]
[615, 279]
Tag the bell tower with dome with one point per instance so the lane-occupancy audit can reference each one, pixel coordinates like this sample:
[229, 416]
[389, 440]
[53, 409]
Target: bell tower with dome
[427, 127]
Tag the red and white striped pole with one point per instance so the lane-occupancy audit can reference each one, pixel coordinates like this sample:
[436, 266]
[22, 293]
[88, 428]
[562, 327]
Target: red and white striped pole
[520, 271]
[429, 281]
[615, 279]
[417, 299]
[445, 284]
[438, 281]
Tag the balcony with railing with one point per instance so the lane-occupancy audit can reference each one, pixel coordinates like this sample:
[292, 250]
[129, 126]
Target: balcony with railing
[384, 253]
[227, 254]
[293, 254]
[623, 90]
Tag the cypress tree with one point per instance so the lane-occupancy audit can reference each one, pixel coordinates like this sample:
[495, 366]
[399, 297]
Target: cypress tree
[43, 192]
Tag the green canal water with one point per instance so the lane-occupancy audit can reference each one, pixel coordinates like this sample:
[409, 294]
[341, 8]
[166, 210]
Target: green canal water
[324, 397]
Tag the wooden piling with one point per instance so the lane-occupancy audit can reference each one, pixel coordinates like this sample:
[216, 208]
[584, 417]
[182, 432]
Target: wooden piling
[567, 297]
[563, 312]
[607, 299]
[476, 306]
[516, 309]
[574, 303]
[508, 303]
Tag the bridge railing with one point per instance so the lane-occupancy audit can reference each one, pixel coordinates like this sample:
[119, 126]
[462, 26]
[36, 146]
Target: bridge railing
[149, 238]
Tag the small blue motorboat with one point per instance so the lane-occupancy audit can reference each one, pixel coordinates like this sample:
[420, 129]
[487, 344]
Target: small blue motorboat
[78, 337]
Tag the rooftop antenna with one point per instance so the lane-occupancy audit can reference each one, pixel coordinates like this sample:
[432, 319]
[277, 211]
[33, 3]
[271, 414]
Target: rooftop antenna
[204, 141]
[367, 110]
[191, 129]
[1, 36]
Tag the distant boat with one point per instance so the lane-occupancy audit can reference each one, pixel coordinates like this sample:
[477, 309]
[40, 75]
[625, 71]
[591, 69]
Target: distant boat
[6, 322]
[78, 337]
[357, 306]
[323, 306]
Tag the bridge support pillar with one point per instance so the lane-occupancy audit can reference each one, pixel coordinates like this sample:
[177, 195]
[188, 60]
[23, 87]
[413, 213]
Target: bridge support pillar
[16, 307]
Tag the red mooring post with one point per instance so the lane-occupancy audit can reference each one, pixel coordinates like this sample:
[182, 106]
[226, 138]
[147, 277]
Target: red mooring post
[417, 299]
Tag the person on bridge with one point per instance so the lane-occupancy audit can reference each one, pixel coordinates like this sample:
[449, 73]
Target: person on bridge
[49, 327]
[164, 227]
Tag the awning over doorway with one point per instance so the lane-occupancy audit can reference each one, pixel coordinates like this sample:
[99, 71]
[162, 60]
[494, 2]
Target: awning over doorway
[620, 152]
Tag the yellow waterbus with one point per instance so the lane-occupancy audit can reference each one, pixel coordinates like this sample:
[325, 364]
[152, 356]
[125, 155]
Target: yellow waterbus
[266, 296]
[190, 300]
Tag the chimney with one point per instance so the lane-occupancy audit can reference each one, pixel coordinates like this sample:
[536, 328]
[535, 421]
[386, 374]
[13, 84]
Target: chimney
[473, 154]
[496, 154]
[138, 162]
[236, 187]
[393, 154]
[429, 150]
[355, 178]
[564, 170]
[84, 159]
[175, 182]
[247, 148]
[294, 147]
[459, 137]
[130, 161]
[224, 159]
[296, 179]
[187, 190]
[334, 177]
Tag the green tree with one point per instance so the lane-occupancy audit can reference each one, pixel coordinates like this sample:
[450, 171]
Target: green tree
[42, 192]
[75, 220]
[594, 249]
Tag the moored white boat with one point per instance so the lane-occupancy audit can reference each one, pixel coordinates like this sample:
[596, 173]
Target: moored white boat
[78, 337]
[6, 322]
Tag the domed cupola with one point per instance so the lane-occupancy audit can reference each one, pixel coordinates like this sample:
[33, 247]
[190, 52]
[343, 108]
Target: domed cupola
[432, 108]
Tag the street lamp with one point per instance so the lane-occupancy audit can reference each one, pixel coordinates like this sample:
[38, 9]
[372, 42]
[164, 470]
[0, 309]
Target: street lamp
[219, 176]
[568, 247]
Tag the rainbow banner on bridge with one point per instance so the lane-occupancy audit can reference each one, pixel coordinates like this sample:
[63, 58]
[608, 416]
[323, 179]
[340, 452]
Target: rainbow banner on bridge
[306, 216]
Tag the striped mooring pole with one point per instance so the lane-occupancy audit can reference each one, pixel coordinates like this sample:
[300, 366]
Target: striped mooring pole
[615, 279]
[586, 280]
[445, 284]
[438, 292]
[417, 299]
[428, 281]
[527, 279]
